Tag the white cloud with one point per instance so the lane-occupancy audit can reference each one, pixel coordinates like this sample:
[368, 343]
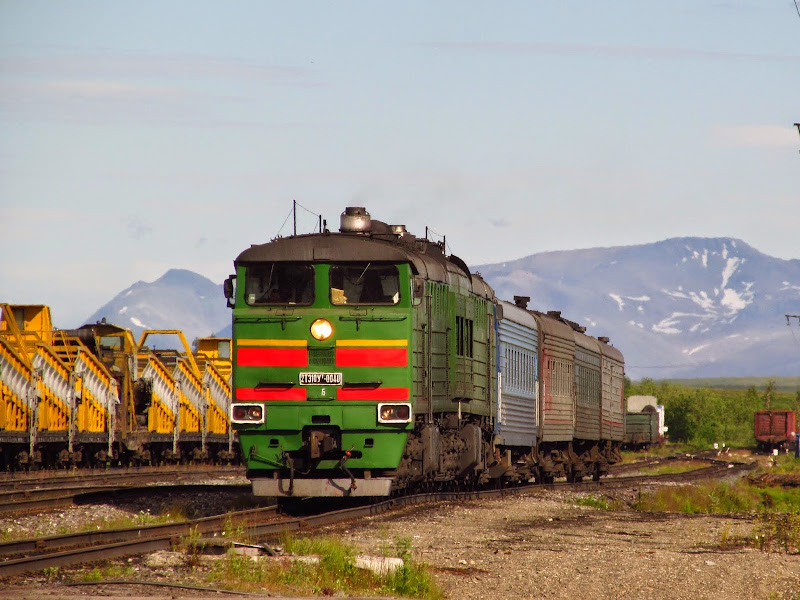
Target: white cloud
[691, 351]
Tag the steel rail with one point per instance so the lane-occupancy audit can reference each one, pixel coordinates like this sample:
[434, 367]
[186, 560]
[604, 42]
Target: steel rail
[77, 548]
[60, 493]
[35, 479]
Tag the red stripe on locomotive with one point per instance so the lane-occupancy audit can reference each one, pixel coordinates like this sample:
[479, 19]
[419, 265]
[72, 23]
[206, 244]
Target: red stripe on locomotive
[381, 394]
[266, 393]
[371, 357]
[272, 357]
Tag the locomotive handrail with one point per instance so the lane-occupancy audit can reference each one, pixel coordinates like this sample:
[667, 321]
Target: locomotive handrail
[265, 319]
[374, 318]
[283, 319]
[383, 318]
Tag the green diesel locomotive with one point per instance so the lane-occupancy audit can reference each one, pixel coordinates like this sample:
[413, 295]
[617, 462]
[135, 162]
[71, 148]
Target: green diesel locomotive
[368, 361]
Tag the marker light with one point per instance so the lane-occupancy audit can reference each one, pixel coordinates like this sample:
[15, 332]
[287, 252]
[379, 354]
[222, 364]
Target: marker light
[321, 329]
[247, 413]
[394, 413]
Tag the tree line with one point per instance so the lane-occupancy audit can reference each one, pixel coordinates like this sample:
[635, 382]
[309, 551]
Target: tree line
[703, 416]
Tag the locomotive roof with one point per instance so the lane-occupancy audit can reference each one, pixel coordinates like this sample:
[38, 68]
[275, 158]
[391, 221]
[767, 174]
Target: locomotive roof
[426, 258]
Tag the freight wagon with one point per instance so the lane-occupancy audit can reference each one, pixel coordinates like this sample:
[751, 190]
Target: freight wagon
[774, 429]
[644, 422]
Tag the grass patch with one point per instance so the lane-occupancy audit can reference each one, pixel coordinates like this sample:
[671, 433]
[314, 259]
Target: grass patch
[777, 533]
[784, 464]
[702, 498]
[673, 467]
[143, 517]
[666, 450]
[323, 566]
[776, 528]
[100, 524]
[105, 572]
[599, 503]
[771, 532]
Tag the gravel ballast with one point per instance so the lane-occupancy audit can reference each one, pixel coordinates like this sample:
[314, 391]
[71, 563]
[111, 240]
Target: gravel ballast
[540, 546]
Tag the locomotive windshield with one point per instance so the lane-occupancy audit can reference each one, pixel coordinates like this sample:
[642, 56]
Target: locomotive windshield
[364, 283]
[279, 283]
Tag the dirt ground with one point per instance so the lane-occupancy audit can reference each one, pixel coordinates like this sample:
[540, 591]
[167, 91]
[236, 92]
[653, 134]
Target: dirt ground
[547, 547]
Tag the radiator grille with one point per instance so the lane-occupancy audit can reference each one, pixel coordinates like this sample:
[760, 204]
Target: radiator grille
[322, 357]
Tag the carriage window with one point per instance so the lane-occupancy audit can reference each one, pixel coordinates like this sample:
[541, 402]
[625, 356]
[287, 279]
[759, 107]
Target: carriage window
[279, 283]
[364, 283]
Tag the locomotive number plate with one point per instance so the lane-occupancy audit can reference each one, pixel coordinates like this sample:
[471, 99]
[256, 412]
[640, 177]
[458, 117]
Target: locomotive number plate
[320, 379]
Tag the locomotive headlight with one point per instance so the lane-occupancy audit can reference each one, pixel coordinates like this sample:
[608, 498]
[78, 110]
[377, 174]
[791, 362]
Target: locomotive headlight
[247, 413]
[394, 413]
[321, 329]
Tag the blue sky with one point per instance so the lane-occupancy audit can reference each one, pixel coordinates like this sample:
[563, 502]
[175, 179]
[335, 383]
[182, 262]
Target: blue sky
[141, 136]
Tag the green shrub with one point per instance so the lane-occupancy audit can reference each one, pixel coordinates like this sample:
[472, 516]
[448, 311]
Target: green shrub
[333, 572]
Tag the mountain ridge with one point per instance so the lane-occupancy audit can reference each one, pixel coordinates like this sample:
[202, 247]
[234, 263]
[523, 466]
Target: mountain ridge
[681, 307]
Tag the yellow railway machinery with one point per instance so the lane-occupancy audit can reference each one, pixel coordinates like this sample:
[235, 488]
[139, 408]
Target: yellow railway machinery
[115, 347]
[156, 390]
[50, 405]
[94, 426]
[213, 358]
[216, 351]
[18, 396]
[193, 405]
[219, 409]
[93, 396]
[202, 398]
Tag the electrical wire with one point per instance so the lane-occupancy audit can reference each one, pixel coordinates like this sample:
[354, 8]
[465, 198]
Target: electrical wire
[796, 341]
[296, 204]
[307, 210]
[283, 224]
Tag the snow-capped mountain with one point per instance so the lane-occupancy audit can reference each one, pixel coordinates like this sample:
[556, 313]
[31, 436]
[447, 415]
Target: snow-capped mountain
[179, 299]
[683, 307]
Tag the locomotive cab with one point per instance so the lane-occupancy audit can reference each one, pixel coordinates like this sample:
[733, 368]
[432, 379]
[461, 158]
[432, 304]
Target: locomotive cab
[322, 373]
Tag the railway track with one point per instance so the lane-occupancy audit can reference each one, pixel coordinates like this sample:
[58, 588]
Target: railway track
[29, 555]
[43, 490]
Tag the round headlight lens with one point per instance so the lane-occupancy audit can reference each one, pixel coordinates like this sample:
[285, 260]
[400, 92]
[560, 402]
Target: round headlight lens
[321, 329]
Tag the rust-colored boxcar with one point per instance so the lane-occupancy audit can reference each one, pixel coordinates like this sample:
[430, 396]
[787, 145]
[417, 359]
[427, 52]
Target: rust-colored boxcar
[774, 428]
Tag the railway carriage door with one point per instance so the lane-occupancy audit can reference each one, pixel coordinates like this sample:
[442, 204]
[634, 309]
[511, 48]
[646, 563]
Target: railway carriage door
[438, 362]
